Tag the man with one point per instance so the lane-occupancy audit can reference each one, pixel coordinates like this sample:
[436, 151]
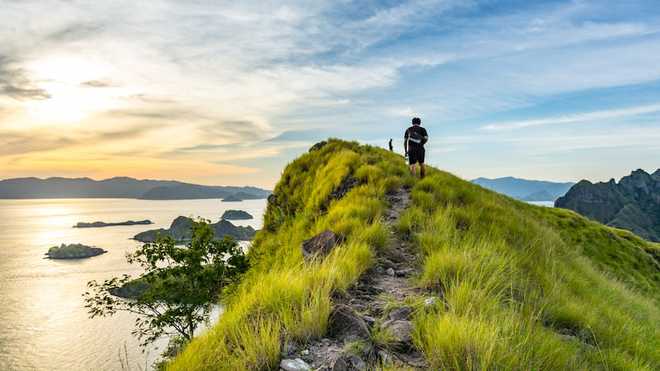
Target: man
[413, 143]
[390, 145]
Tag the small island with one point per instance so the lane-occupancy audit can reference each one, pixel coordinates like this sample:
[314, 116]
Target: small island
[232, 198]
[103, 224]
[73, 251]
[180, 231]
[236, 215]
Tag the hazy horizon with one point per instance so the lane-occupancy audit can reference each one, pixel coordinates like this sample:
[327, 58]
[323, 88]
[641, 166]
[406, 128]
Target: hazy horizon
[650, 171]
[227, 93]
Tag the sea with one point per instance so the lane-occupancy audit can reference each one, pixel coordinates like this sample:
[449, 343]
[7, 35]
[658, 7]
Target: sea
[44, 325]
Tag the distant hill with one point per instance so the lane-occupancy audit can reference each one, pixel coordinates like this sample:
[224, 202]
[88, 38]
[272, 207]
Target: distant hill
[632, 204]
[524, 189]
[119, 187]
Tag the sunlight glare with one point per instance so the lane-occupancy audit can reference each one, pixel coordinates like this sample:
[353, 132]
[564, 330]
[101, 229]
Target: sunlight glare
[63, 78]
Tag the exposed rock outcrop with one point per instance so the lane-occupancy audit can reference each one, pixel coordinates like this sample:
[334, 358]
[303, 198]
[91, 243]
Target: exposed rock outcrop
[632, 204]
[321, 244]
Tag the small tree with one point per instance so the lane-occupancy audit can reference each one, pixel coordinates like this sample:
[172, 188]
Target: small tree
[178, 286]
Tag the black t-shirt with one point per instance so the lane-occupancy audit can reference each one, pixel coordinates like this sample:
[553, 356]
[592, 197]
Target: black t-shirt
[416, 136]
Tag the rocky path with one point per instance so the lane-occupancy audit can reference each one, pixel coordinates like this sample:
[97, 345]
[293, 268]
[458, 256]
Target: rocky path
[371, 325]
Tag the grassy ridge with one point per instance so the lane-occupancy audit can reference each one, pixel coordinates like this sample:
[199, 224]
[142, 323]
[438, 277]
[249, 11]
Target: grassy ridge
[282, 298]
[526, 287]
[522, 287]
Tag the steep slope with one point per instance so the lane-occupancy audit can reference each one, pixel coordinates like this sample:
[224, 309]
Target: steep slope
[632, 204]
[514, 286]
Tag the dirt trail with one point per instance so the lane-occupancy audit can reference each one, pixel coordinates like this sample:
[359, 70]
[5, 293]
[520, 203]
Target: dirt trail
[376, 304]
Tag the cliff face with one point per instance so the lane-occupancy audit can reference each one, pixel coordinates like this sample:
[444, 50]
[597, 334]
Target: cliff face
[632, 204]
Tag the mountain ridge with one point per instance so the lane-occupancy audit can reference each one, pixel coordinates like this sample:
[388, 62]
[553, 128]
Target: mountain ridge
[633, 203]
[117, 187]
[525, 189]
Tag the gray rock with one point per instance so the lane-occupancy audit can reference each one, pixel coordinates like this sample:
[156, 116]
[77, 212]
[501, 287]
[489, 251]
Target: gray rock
[317, 146]
[403, 272]
[289, 348]
[321, 244]
[401, 331]
[402, 313]
[369, 320]
[430, 301]
[346, 185]
[384, 356]
[294, 365]
[346, 323]
[349, 362]
[390, 272]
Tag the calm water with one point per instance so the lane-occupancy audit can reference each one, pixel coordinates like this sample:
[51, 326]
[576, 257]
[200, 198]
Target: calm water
[44, 323]
[543, 203]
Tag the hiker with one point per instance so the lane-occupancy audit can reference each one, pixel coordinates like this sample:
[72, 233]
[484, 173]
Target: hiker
[413, 143]
[391, 146]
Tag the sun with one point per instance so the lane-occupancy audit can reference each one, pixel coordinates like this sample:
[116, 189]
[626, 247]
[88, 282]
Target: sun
[69, 100]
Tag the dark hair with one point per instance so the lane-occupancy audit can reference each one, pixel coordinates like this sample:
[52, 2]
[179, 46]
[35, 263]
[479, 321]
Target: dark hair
[416, 121]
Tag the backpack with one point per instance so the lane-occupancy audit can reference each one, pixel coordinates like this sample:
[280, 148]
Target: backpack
[415, 137]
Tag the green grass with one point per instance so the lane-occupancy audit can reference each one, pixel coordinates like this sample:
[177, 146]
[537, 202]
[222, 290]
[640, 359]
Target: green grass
[521, 287]
[527, 287]
[283, 298]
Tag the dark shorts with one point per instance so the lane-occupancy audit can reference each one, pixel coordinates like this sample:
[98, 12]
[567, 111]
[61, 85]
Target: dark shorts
[416, 155]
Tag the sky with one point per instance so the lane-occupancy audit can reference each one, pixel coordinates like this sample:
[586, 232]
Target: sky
[217, 92]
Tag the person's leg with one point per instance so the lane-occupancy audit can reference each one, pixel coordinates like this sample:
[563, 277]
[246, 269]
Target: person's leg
[420, 159]
[413, 169]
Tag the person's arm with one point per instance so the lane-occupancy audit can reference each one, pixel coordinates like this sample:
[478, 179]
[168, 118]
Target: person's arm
[426, 137]
[405, 141]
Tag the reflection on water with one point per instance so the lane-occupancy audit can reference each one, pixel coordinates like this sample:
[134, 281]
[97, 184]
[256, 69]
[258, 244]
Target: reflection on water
[45, 326]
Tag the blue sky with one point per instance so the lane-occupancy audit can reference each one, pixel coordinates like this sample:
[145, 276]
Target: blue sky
[228, 93]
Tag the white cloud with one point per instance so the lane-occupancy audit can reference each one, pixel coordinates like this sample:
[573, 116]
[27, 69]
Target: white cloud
[576, 118]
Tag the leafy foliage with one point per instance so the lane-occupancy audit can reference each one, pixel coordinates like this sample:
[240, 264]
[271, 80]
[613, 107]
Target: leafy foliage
[182, 283]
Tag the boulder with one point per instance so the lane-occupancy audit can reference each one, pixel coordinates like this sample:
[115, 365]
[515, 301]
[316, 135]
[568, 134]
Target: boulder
[402, 313]
[349, 362]
[430, 301]
[401, 331]
[294, 365]
[321, 244]
[318, 146]
[345, 323]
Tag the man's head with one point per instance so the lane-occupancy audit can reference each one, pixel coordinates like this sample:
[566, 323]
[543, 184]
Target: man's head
[416, 121]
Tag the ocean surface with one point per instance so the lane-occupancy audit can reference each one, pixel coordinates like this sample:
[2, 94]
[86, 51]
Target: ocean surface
[542, 203]
[44, 323]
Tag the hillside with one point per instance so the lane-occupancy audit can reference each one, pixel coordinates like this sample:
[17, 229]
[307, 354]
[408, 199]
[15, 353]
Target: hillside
[118, 187]
[525, 189]
[632, 204]
[492, 283]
